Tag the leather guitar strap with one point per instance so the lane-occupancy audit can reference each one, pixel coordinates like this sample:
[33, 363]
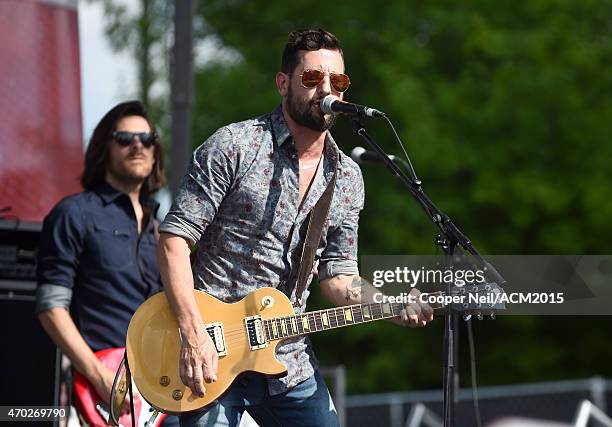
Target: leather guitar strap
[318, 215]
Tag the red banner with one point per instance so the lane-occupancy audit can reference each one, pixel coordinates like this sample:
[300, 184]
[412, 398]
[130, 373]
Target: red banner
[41, 145]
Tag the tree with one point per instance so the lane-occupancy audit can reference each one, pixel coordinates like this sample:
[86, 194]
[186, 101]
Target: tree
[146, 34]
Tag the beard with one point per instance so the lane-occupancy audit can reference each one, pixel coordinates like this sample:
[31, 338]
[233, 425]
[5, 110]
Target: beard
[304, 113]
[129, 174]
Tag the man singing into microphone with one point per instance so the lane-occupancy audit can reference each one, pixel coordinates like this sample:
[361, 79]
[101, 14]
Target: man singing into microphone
[245, 202]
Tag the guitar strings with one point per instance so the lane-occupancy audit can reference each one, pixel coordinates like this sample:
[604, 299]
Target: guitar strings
[318, 322]
[238, 333]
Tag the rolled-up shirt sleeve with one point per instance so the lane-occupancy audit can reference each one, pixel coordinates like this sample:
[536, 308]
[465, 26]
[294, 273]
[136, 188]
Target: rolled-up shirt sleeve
[340, 254]
[208, 179]
[52, 296]
[61, 243]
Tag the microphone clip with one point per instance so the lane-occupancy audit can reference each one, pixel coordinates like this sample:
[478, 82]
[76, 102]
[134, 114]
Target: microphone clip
[357, 124]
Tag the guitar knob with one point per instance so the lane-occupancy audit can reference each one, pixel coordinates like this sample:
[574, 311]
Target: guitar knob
[267, 301]
[177, 394]
[164, 381]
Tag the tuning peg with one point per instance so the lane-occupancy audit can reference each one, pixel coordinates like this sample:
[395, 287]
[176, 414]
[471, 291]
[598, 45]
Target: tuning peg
[466, 316]
[493, 317]
[479, 315]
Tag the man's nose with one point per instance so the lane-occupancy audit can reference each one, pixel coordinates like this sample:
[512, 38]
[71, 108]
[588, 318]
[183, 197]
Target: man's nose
[136, 143]
[325, 85]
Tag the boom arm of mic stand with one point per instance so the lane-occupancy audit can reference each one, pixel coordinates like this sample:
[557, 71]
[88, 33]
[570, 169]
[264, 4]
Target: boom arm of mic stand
[439, 218]
[405, 164]
[406, 180]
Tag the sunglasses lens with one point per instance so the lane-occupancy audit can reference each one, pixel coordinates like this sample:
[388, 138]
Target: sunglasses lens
[123, 138]
[312, 78]
[147, 139]
[340, 82]
[126, 138]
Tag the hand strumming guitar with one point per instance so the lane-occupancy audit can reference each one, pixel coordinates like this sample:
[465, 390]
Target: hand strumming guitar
[198, 361]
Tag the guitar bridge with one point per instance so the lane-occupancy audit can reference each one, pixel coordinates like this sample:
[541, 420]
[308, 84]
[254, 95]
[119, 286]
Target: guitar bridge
[255, 332]
[215, 331]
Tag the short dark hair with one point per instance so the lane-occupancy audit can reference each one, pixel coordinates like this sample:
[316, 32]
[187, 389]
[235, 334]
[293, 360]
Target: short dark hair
[96, 156]
[306, 40]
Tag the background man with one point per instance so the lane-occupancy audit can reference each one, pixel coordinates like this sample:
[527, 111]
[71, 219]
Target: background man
[245, 202]
[97, 259]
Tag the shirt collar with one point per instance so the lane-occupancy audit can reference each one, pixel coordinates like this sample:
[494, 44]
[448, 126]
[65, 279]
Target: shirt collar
[332, 152]
[109, 194]
[279, 126]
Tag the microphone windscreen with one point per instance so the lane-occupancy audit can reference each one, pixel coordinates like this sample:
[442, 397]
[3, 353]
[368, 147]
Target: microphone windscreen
[327, 102]
[357, 153]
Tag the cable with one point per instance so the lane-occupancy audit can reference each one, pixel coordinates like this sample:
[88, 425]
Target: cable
[473, 372]
[114, 416]
[128, 377]
[411, 171]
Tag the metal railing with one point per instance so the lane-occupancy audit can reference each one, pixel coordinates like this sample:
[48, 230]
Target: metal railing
[550, 400]
[587, 411]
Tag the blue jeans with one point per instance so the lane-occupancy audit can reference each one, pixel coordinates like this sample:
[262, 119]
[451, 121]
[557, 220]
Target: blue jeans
[170, 421]
[306, 404]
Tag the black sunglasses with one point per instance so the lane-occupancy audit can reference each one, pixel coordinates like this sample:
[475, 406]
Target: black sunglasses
[124, 138]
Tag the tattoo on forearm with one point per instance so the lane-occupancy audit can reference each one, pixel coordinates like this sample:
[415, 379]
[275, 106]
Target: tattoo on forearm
[354, 291]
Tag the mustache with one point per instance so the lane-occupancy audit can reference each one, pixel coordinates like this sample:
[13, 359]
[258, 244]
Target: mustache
[137, 155]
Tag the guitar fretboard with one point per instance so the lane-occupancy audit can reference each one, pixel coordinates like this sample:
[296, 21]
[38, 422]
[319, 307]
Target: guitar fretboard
[314, 321]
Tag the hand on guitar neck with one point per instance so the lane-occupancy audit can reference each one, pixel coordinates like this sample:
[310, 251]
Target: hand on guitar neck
[345, 290]
[414, 314]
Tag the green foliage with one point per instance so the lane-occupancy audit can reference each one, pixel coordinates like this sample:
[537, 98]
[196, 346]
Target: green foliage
[144, 35]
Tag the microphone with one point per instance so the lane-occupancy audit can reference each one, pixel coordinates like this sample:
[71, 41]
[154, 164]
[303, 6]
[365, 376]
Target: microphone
[332, 104]
[360, 155]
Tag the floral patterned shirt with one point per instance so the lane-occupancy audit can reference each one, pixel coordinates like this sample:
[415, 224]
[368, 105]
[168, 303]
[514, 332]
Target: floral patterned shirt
[239, 203]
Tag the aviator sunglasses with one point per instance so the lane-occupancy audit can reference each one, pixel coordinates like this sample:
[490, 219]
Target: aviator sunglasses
[312, 78]
[124, 138]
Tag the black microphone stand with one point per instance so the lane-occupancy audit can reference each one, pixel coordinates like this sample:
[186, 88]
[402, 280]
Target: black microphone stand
[448, 239]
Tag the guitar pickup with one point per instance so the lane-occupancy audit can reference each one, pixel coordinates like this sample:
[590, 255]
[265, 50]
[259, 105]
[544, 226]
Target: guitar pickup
[215, 331]
[255, 332]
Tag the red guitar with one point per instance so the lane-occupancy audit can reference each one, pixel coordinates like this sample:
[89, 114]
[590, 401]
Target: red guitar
[91, 407]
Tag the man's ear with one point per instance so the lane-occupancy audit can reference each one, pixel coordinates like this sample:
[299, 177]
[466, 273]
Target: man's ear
[282, 83]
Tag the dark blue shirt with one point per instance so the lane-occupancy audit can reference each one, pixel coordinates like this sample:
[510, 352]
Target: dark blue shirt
[91, 246]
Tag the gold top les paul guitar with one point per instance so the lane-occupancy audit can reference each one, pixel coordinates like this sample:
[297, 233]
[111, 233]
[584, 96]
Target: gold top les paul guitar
[245, 335]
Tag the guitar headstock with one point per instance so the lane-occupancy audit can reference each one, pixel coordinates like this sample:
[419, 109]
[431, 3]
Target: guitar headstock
[480, 300]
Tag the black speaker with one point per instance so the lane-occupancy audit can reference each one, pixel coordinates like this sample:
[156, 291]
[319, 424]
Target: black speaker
[29, 361]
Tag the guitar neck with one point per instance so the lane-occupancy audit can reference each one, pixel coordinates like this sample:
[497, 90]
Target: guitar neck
[277, 328]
